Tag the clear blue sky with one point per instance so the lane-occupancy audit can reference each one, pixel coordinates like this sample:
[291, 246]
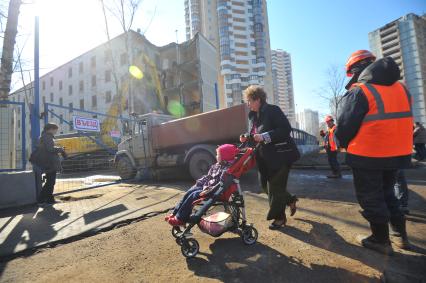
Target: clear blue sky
[320, 33]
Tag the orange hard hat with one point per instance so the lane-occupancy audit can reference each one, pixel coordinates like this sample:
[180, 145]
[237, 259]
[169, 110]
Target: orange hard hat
[356, 57]
[328, 118]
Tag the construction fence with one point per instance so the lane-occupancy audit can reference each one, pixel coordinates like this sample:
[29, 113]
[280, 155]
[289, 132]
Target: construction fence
[13, 122]
[90, 140]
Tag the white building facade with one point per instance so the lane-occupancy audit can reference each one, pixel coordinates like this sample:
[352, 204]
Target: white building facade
[405, 41]
[239, 30]
[308, 121]
[99, 81]
[282, 81]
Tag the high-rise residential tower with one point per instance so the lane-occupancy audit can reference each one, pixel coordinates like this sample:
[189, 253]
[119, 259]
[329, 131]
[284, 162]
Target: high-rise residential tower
[282, 81]
[405, 41]
[239, 30]
[308, 121]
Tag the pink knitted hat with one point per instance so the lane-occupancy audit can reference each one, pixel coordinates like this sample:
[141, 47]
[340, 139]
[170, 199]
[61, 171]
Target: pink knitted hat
[227, 152]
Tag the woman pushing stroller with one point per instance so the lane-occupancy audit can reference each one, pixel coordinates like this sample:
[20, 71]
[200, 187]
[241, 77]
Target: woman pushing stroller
[203, 187]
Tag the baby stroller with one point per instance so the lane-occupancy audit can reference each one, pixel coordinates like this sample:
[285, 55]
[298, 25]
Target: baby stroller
[228, 194]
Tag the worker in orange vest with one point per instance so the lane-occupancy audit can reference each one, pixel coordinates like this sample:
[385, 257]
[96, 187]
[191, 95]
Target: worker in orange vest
[375, 127]
[332, 148]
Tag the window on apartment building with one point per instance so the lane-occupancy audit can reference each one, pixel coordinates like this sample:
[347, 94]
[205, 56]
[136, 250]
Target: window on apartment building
[61, 119]
[94, 80]
[44, 99]
[107, 55]
[60, 85]
[51, 81]
[69, 72]
[94, 101]
[80, 67]
[93, 62]
[82, 104]
[70, 90]
[258, 27]
[81, 86]
[123, 59]
[107, 75]
[61, 101]
[51, 97]
[70, 105]
[43, 85]
[108, 97]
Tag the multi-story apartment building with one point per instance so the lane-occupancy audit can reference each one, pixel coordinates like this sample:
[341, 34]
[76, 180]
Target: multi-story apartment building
[308, 121]
[282, 81]
[405, 41]
[185, 73]
[239, 30]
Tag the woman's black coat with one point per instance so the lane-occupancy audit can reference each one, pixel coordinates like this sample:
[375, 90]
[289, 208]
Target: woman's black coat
[282, 149]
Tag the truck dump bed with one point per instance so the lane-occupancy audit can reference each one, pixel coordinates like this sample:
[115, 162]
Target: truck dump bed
[218, 126]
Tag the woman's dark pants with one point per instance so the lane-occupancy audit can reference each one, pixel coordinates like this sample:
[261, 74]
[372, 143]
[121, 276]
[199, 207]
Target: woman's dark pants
[274, 184]
[47, 190]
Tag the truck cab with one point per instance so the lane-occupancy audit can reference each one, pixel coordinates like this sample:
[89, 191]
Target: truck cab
[136, 151]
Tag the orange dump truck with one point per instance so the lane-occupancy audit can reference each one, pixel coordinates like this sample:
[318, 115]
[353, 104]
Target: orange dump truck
[160, 141]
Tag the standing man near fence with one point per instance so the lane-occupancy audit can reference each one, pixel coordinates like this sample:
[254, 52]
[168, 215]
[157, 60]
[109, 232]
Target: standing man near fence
[45, 159]
[375, 126]
[331, 146]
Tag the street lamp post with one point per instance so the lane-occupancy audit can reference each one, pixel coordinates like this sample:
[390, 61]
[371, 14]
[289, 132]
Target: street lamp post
[35, 117]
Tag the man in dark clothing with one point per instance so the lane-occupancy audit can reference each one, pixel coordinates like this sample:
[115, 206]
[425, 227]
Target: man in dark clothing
[46, 160]
[374, 127]
[419, 135]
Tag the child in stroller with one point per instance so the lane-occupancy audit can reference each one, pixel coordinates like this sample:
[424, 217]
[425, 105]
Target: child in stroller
[227, 193]
[205, 186]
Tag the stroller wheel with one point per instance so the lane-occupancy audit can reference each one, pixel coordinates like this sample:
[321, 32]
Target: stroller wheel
[189, 247]
[176, 231]
[179, 241]
[249, 235]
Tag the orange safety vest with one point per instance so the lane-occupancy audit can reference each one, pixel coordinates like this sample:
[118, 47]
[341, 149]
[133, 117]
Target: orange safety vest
[331, 142]
[387, 128]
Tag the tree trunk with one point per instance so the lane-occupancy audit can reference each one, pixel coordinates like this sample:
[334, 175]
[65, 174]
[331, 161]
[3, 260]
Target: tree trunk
[6, 68]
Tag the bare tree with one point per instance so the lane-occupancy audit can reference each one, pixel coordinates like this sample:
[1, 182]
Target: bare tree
[334, 88]
[124, 12]
[6, 68]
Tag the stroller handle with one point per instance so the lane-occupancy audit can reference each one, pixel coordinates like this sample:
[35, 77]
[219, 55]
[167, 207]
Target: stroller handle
[249, 142]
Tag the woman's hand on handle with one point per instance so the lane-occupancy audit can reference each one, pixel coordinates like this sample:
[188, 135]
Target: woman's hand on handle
[258, 138]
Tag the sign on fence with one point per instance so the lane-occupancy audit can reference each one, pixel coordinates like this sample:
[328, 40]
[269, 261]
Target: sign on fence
[86, 124]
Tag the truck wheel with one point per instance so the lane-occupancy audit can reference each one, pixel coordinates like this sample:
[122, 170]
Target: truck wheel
[125, 168]
[199, 164]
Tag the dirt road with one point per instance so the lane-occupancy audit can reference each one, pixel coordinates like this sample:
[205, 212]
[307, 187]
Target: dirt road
[318, 245]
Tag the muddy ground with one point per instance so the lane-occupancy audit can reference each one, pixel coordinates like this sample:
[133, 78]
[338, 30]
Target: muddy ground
[318, 245]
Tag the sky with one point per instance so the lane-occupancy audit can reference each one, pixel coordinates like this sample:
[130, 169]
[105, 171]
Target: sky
[316, 33]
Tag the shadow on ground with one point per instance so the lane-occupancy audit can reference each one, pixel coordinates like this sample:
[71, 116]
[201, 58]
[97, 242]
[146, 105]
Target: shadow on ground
[259, 263]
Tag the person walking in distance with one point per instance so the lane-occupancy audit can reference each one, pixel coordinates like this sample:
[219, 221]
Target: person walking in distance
[332, 148]
[375, 126]
[419, 135]
[46, 159]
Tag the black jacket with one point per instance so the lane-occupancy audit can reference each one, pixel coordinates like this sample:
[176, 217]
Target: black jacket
[282, 149]
[46, 154]
[355, 106]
